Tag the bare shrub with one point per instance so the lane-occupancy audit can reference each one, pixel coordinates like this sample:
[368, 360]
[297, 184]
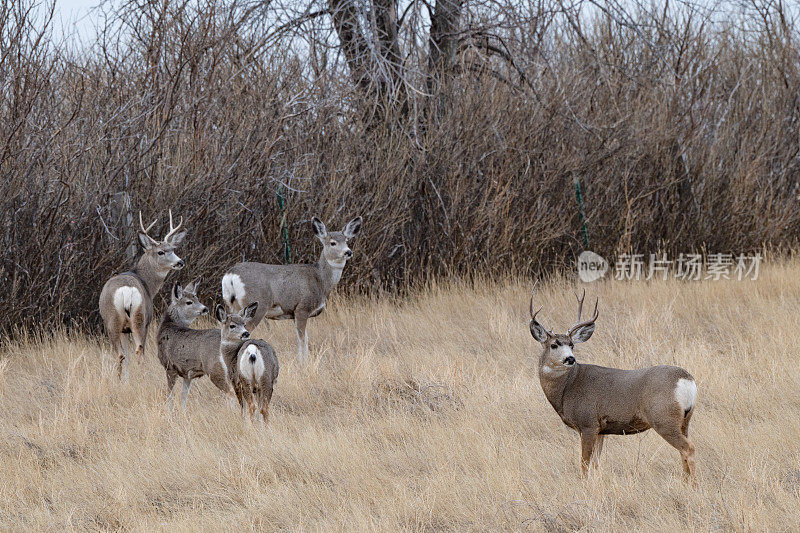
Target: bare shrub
[461, 150]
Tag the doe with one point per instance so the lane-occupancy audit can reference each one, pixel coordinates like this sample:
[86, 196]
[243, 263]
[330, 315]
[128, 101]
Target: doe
[189, 353]
[296, 292]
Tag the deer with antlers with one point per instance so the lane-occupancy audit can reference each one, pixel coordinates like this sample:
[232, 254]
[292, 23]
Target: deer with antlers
[597, 401]
[126, 301]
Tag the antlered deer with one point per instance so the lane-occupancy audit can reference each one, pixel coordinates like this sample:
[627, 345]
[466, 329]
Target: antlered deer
[126, 301]
[298, 292]
[597, 401]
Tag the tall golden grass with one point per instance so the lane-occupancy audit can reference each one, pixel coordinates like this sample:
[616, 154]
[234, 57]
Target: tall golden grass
[419, 414]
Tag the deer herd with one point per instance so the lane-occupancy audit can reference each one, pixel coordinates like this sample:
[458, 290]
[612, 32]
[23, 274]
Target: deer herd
[593, 400]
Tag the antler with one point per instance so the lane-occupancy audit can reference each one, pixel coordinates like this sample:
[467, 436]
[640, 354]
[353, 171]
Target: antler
[172, 229]
[580, 324]
[580, 304]
[145, 231]
[533, 315]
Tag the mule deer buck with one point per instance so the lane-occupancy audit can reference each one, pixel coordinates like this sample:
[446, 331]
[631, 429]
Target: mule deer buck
[252, 367]
[190, 353]
[597, 401]
[126, 301]
[296, 292]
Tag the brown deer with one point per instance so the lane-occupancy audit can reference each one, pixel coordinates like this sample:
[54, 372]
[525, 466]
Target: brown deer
[189, 353]
[296, 292]
[253, 375]
[126, 301]
[252, 364]
[597, 401]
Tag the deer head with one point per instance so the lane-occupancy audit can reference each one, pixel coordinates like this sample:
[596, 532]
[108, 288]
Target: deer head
[161, 254]
[557, 356]
[232, 325]
[185, 307]
[335, 249]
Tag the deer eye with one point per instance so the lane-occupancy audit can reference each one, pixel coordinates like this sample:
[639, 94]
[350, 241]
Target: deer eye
[189, 302]
[233, 327]
[571, 345]
[554, 346]
[161, 252]
[333, 243]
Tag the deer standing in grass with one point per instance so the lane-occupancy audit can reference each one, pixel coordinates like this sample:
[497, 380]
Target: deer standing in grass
[252, 364]
[597, 401]
[190, 353]
[296, 292]
[126, 301]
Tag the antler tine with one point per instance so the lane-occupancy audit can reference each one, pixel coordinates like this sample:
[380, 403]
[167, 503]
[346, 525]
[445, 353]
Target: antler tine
[578, 326]
[580, 304]
[533, 315]
[172, 229]
[141, 225]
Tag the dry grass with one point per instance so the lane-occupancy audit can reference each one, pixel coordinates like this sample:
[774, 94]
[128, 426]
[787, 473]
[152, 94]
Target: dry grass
[422, 414]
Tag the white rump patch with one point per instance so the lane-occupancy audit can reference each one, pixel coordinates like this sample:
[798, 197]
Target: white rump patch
[233, 289]
[127, 300]
[686, 393]
[251, 370]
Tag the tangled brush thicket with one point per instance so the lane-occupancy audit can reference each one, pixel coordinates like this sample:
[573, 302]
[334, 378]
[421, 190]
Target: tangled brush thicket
[681, 130]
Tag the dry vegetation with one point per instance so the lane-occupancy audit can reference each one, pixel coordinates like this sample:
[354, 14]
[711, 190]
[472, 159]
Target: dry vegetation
[422, 413]
[680, 119]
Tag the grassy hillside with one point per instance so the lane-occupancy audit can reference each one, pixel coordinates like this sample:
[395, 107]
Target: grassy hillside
[421, 414]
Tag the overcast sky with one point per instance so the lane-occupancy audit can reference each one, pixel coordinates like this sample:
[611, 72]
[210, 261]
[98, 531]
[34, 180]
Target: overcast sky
[73, 17]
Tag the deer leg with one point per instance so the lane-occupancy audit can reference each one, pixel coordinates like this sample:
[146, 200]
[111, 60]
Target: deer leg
[114, 330]
[675, 437]
[139, 333]
[588, 438]
[172, 377]
[266, 396]
[187, 384]
[125, 356]
[300, 320]
[598, 449]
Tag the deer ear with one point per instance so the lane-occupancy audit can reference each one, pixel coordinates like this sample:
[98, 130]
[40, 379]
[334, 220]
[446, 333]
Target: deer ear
[192, 287]
[319, 228]
[146, 241]
[352, 228]
[538, 332]
[583, 334]
[220, 313]
[177, 239]
[177, 292]
[250, 311]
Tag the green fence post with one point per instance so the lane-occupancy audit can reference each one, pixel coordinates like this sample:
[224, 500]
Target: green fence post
[287, 252]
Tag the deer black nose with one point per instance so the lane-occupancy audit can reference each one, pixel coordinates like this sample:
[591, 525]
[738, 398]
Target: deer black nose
[246, 335]
[569, 360]
[252, 358]
[349, 253]
[204, 311]
[181, 264]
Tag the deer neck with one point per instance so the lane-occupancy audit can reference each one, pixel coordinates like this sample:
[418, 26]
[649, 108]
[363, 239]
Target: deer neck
[228, 350]
[173, 318]
[554, 383]
[330, 272]
[152, 277]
